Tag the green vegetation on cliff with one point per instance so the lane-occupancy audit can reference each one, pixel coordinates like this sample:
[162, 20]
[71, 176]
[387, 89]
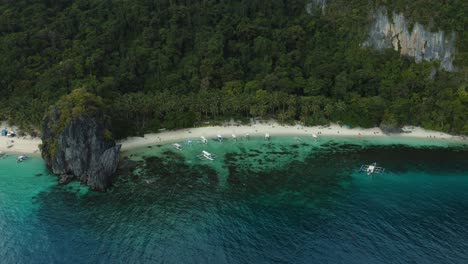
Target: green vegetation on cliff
[79, 104]
[174, 63]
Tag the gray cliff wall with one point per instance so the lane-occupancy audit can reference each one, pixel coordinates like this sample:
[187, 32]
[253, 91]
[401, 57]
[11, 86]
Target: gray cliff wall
[82, 152]
[418, 43]
[315, 5]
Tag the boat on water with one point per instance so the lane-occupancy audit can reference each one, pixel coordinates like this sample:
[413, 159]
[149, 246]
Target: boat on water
[204, 140]
[206, 155]
[177, 146]
[314, 136]
[267, 136]
[220, 138]
[372, 168]
[21, 158]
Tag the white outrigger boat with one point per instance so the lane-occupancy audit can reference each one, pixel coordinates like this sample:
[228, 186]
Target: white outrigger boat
[370, 169]
[220, 138]
[267, 136]
[177, 146]
[206, 155]
[314, 136]
[234, 137]
[204, 140]
[22, 158]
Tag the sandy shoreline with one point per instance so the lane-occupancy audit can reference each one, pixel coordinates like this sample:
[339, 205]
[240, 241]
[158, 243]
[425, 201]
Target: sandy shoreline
[28, 145]
[273, 129]
[18, 145]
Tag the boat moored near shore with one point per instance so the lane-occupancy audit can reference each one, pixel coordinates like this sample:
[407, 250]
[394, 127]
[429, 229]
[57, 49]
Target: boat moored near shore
[21, 158]
[206, 155]
[177, 146]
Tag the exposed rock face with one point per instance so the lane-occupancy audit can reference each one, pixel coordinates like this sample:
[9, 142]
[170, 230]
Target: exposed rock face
[81, 150]
[418, 43]
[315, 5]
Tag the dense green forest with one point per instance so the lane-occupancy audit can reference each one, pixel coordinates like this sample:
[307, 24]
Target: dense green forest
[172, 63]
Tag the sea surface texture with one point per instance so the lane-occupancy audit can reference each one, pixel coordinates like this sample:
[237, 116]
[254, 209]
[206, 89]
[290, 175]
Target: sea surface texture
[288, 200]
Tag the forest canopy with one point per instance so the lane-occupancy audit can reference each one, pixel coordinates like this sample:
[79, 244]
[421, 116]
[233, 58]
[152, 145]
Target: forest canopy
[175, 64]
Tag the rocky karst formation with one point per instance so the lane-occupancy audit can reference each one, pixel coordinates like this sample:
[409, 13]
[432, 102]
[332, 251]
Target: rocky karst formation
[77, 143]
[393, 31]
[417, 42]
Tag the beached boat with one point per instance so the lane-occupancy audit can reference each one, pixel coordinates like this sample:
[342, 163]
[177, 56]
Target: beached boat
[372, 168]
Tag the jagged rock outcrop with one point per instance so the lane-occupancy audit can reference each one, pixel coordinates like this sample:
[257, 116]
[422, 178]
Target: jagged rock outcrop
[80, 147]
[418, 43]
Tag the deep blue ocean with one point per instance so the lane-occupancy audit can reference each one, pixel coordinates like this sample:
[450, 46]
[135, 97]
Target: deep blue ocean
[284, 201]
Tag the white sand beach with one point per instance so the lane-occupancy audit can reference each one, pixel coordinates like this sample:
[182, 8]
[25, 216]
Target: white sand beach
[273, 129]
[28, 145]
[23, 145]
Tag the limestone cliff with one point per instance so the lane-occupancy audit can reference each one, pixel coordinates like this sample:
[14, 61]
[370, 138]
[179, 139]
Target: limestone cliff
[417, 42]
[77, 143]
[314, 5]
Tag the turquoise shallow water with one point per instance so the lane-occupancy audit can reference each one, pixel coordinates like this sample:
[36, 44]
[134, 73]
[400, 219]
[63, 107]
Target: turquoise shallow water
[284, 201]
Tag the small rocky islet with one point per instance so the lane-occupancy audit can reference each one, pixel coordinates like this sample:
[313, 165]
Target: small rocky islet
[77, 142]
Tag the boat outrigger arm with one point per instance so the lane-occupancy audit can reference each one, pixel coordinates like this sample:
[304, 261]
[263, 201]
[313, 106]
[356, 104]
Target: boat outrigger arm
[373, 168]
